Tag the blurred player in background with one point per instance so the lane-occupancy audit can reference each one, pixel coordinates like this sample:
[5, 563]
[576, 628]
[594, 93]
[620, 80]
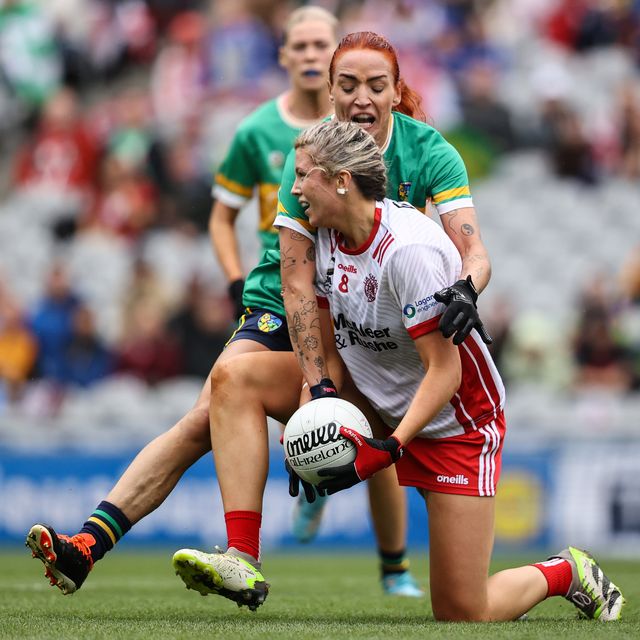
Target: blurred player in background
[253, 163]
[255, 159]
[442, 403]
[366, 88]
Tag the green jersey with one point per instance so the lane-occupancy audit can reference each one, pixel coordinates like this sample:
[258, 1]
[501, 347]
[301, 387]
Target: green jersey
[422, 167]
[254, 163]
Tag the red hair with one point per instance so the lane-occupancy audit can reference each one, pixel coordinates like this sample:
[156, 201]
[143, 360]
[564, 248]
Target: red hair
[410, 101]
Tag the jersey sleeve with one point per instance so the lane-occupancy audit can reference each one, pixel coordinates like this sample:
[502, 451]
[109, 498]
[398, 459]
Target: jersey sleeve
[290, 214]
[449, 179]
[416, 272]
[237, 176]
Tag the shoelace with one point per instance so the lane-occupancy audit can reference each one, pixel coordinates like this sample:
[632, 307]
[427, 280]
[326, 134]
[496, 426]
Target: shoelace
[78, 542]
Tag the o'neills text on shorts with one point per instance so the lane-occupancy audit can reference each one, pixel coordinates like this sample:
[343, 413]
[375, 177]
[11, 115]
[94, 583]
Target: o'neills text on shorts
[458, 479]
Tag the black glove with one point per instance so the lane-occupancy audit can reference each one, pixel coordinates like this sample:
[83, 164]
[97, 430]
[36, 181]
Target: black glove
[294, 485]
[461, 314]
[324, 389]
[372, 455]
[235, 293]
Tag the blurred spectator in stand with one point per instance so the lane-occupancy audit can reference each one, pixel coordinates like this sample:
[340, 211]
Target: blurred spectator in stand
[30, 61]
[569, 149]
[482, 110]
[602, 359]
[132, 135]
[145, 286]
[163, 11]
[465, 41]
[629, 166]
[126, 203]
[86, 358]
[498, 319]
[147, 350]
[202, 327]
[536, 354]
[18, 348]
[630, 277]
[118, 33]
[52, 322]
[629, 320]
[563, 22]
[178, 75]
[58, 162]
[240, 50]
[485, 131]
[183, 177]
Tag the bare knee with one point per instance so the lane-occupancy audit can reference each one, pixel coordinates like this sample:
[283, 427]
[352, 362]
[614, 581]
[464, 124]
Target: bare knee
[224, 374]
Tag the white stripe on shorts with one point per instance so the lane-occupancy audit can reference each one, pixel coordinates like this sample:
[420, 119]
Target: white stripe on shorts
[487, 460]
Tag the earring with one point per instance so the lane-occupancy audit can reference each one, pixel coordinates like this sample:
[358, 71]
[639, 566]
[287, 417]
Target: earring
[342, 191]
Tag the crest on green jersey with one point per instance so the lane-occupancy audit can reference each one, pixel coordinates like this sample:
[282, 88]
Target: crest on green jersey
[404, 190]
[276, 159]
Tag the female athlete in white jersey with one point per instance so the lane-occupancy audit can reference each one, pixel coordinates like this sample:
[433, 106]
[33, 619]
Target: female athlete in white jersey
[378, 265]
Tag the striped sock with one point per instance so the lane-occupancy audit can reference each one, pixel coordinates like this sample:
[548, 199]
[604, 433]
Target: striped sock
[393, 562]
[107, 524]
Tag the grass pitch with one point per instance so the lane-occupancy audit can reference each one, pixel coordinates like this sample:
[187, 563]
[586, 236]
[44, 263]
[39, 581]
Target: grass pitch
[136, 595]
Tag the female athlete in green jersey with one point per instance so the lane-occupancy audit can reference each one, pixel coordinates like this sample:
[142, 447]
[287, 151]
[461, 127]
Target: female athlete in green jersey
[263, 140]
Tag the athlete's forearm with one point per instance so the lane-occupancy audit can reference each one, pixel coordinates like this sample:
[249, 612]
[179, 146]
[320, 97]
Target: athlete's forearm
[463, 229]
[297, 267]
[223, 238]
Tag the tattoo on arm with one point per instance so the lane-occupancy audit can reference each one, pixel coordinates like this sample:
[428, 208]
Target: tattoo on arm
[452, 217]
[467, 229]
[311, 342]
[294, 235]
[311, 253]
[293, 335]
[298, 325]
[287, 261]
[310, 306]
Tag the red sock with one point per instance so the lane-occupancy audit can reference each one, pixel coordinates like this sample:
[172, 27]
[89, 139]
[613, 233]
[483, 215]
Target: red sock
[243, 531]
[558, 575]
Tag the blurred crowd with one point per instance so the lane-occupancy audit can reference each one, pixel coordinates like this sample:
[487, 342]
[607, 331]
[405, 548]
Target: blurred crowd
[115, 113]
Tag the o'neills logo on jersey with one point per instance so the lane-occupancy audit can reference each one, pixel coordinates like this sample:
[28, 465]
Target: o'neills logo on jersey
[458, 479]
[357, 334]
[349, 268]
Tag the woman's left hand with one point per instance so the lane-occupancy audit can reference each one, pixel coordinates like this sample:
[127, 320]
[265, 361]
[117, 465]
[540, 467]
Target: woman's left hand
[372, 455]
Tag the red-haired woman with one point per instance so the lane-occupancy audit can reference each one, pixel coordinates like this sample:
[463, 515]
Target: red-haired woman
[366, 88]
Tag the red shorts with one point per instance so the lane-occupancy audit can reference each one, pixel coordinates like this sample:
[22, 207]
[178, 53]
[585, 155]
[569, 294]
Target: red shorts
[467, 465]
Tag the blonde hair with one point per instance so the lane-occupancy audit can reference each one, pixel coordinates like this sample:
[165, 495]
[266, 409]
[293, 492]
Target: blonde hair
[307, 14]
[344, 146]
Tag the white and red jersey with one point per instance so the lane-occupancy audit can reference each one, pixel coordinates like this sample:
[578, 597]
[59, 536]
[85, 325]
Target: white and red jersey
[381, 299]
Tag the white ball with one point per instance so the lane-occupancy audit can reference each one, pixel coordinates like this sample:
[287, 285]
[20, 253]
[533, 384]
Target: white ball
[312, 439]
